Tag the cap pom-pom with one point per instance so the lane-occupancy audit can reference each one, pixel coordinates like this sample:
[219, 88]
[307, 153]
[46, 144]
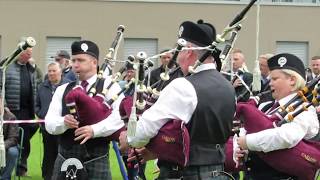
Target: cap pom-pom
[200, 21]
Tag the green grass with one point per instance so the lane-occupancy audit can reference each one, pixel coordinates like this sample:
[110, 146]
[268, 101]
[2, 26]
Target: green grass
[35, 160]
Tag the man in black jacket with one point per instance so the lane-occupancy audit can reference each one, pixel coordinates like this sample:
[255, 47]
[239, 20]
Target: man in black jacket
[164, 59]
[238, 65]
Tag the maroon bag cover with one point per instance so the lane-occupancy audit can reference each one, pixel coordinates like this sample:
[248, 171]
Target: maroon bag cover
[91, 110]
[172, 142]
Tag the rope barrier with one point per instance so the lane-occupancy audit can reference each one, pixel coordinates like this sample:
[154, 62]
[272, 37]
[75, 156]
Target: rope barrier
[23, 121]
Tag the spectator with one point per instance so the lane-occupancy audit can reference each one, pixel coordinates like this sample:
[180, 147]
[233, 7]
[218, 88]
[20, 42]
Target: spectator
[239, 68]
[11, 135]
[21, 90]
[44, 96]
[129, 74]
[265, 77]
[164, 59]
[63, 58]
[39, 72]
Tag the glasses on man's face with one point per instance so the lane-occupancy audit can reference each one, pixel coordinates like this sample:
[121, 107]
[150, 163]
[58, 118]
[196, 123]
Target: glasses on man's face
[58, 59]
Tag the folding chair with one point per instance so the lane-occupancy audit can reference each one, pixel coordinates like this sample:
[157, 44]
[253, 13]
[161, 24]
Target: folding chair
[20, 148]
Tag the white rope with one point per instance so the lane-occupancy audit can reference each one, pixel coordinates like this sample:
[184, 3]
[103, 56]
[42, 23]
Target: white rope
[242, 81]
[23, 121]
[256, 84]
[183, 49]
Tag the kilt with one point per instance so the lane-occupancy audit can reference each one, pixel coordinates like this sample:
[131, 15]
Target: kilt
[206, 172]
[94, 159]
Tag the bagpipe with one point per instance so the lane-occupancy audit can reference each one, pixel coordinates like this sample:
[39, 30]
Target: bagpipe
[172, 137]
[302, 160]
[171, 72]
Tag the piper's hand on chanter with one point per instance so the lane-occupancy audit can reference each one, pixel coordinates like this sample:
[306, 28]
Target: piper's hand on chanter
[240, 156]
[237, 83]
[124, 146]
[70, 121]
[85, 133]
[143, 154]
[242, 142]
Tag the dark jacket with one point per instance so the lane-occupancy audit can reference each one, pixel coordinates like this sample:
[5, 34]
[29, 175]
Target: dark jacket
[242, 93]
[44, 97]
[264, 93]
[69, 74]
[10, 131]
[155, 75]
[13, 85]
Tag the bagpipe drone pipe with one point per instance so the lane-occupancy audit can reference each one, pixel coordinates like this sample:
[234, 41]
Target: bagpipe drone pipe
[302, 160]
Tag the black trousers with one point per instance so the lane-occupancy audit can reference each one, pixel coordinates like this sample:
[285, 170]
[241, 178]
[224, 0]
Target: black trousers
[50, 152]
[29, 131]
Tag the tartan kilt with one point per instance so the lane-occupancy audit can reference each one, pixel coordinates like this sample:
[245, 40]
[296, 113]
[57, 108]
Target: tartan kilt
[95, 161]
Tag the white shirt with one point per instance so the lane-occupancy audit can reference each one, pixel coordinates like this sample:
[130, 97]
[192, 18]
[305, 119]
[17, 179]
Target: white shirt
[54, 122]
[176, 101]
[303, 126]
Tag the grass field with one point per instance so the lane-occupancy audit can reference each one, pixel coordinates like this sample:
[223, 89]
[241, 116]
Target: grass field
[35, 160]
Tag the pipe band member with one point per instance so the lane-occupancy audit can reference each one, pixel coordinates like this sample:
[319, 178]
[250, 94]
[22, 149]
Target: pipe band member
[87, 143]
[205, 101]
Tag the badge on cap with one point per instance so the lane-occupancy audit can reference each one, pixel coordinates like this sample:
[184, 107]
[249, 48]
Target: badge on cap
[282, 61]
[84, 47]
[180, 31]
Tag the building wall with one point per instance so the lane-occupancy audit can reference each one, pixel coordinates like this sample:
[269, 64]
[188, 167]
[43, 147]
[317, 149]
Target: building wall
[98, 20]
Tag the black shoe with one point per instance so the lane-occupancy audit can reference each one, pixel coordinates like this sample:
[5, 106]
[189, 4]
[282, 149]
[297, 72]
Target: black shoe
[21, 173]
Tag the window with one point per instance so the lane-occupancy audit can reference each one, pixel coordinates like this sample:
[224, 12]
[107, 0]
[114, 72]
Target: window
[299, 49]
[134, 45]
[55, 44]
